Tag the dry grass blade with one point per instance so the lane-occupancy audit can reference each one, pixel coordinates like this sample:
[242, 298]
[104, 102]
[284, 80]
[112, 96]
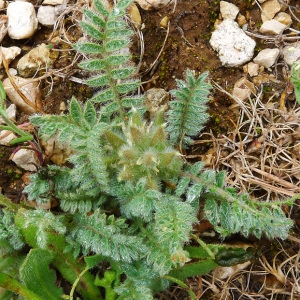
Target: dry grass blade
[24, 98]
[262, 153]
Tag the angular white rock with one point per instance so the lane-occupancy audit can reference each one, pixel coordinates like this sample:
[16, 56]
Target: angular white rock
[31, 90]
[47, 15]
[267, 57]
[6, 136]
[9, 53]
[11, 113]
[232, 44]
[252, 69]
[228, 10]
[39, 57]
[26, 159]
[272, 27]
[291, 53]
[22, 21]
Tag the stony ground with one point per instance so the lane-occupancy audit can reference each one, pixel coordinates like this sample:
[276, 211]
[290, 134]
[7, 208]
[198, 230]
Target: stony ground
[256, 141]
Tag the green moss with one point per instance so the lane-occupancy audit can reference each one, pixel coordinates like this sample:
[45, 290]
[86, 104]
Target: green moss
[13, 174]
[267, 89]
[207, 37]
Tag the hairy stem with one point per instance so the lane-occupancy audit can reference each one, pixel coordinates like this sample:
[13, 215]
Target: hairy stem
[8, 204]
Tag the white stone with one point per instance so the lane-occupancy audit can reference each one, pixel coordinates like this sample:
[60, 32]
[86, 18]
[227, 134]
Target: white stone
[6, 136]
[241, 94]
[54, 2]
[222, 273]
[2, 4]
[228, 10]
[243, 89]
[272, 27]
[269, 10]
[267, 57]
[13, 71]
[31, 91]
[252, 69]
[232, 44]
[37, 58]
[291, 53]
[59, 9]
[47, 15]
[152, 4]
[26, 159]
[284, 18]
[11, 112]
[22, 21]
[9, 53]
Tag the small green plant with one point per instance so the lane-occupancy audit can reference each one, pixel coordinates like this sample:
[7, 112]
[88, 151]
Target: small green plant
[130, 199]
[295, 79]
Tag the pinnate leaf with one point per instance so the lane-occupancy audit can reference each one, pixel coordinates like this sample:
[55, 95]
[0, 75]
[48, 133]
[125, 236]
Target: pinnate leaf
[89, 48]
[92, 31]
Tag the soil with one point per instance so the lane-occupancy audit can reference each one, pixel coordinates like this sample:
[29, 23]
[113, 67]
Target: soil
[196, 18]
[176, 57]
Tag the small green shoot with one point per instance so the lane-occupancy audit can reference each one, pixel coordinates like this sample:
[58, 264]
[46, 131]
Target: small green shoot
[9, 124]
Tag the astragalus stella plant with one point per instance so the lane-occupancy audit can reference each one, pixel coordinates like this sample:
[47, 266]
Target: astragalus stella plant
[130, 199]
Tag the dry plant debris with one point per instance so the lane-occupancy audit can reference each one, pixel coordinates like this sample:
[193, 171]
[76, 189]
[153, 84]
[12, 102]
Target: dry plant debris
[262, 153]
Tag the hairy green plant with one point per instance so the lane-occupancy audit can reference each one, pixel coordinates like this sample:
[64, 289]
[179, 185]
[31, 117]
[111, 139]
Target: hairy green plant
[295, 79]
[130, 199]
[187, 113]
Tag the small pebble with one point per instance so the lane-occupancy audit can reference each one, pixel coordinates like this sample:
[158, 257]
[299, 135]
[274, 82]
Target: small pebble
[62, 106]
